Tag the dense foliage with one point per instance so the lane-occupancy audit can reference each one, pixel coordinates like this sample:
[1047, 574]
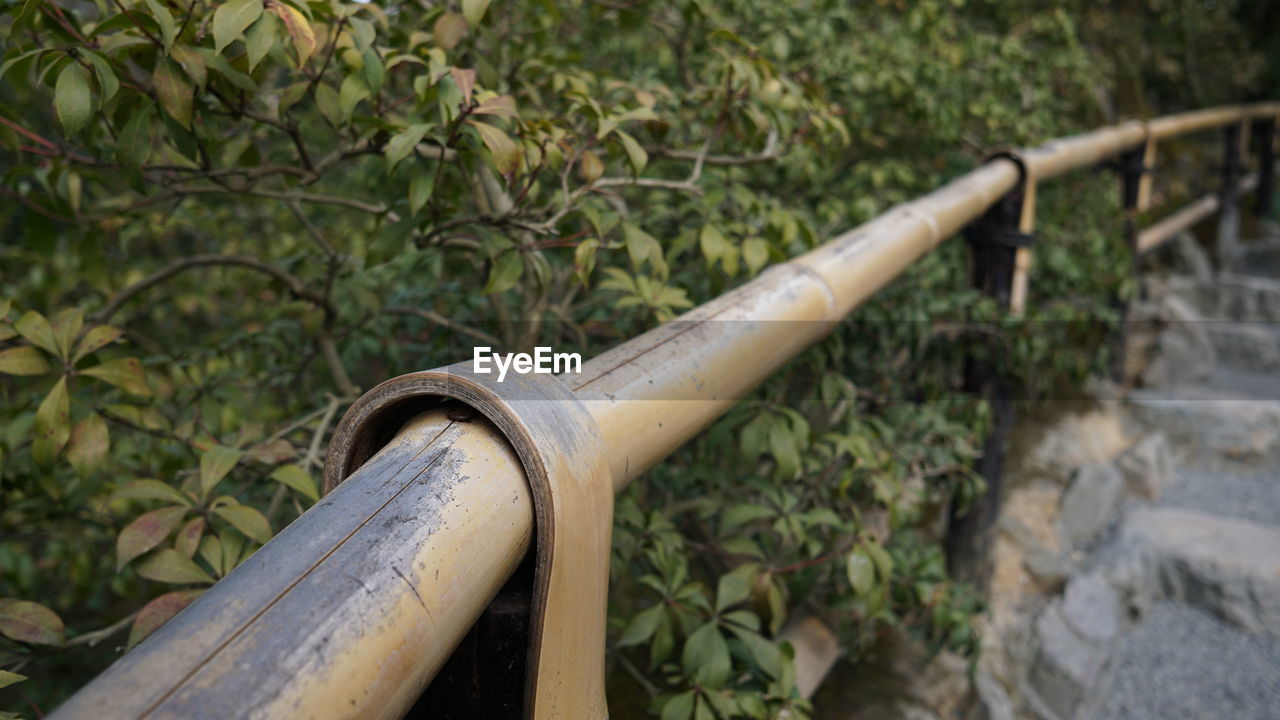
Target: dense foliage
[223, 219]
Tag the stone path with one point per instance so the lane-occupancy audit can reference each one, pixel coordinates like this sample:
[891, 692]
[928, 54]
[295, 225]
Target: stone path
[1170, 608]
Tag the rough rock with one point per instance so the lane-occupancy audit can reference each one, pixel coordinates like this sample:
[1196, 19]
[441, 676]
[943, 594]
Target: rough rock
[1147, 466]
[1089, 502]
[1227, 566]
[1251, 346]
[1065, 665]
[1091, 607]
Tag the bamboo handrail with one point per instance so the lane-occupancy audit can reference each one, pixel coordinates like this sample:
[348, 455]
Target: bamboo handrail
[351, 610]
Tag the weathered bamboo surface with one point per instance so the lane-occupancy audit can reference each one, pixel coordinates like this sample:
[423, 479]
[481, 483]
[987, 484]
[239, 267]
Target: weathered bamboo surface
[351, 610]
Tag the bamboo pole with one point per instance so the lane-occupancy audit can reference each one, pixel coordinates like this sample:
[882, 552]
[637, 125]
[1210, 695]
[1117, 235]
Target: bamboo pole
[351, 610]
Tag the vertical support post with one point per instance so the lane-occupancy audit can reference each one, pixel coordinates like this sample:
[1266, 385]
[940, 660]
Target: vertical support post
[1265, 131]
[1135, 195]
[1229, 194]
[999, 252]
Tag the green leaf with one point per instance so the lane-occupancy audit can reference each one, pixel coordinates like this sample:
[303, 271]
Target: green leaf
[168, 29]
[755, 252]
[134, 147]
[125, 373]
[706, 656]
[635, 154]
[505, 273]
[363, 32]
[506, 156]
[94, 340]
[735, 586]
[24, 360]
[295, 477]
[211, 552]
[88, 444]
[9, 678]
[329, 104]
[234, 76]
[403, 143]
[175, 93]
[421, 185]
[168, 565]
[860, 571]
[52, 425]
[374, 71]
[30, 622]
[72, 98]
[304, 38]
[584, 259]
[150, 490]
[36, 330]
[247, 520]
[473, 11]
[147, 531]
[215, 463]
[260, 40]
[158, 612]
[642, 626]
[714, 244]
[232, 18]
[192, 63]
[679, 707]
[353, 90]
[782, 445]
[107, 79]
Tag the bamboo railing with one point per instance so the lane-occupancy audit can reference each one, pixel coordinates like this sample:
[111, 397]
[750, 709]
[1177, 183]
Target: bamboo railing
[352, 609]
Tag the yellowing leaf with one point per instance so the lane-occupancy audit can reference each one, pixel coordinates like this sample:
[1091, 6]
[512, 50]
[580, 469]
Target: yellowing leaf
[52, 425]
[304, 38]
[590, 167]
[36, 330]
[147, 531]
[246, 520]
[168, 565]
[188, 539]
[9, 678]
[295, 477]
[158, 612]
[232, 18]
[465, 80]
[273, 452]
[506, 156]
[66, 325]
[124, 373]
[24, 360]
[30, 622]
[499, 105]
[88, 444]
[149, 490]
[72, 99]
[94, 340]
[449, 30]
[214, 465]
[175, 93]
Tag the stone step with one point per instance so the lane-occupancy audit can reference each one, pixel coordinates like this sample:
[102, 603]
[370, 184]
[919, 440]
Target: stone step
[1226, 566]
